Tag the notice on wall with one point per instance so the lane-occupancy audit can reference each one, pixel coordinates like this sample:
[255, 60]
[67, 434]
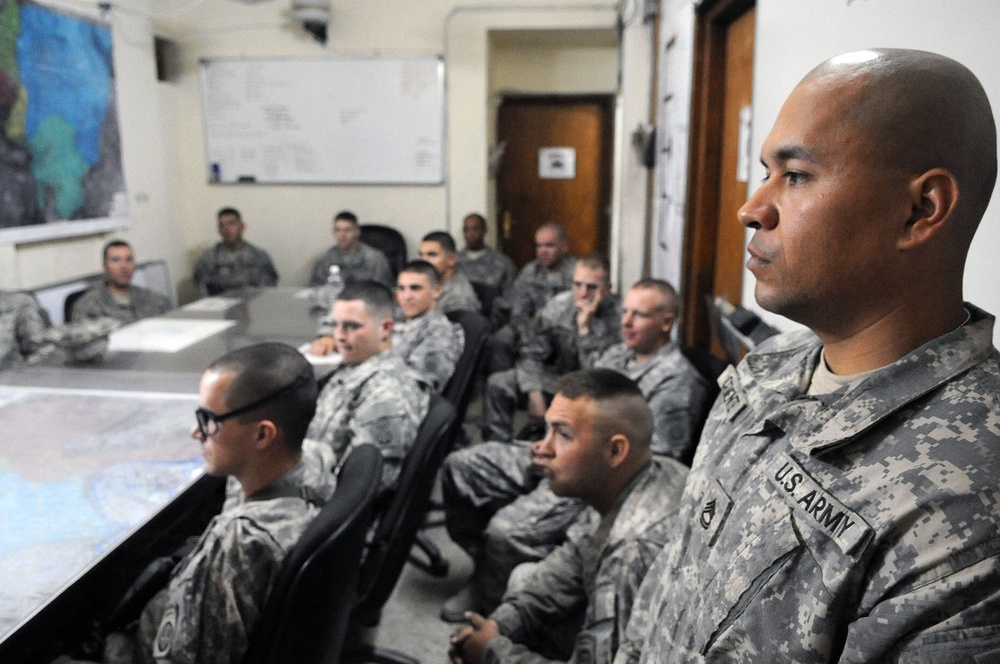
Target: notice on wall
[557, 163]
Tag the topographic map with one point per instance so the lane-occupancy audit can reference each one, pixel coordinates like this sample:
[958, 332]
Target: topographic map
[78, 472]
[60, 152]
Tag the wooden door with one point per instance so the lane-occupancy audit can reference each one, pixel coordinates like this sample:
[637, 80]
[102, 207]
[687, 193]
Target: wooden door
[535, 185]
[717, 186]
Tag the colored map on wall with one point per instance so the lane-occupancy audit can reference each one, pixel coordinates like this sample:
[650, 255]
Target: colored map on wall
[60, 150]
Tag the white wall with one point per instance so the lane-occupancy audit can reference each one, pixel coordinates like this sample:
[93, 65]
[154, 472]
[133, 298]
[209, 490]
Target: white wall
[293, 222]
[794, 36]
[152, 232]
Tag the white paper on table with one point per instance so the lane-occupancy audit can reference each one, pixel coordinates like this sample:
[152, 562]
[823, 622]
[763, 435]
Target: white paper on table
[211, 304]
[164, 335]
[332, 359]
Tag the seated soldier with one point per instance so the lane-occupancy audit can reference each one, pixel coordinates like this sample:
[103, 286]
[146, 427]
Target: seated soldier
[457, 293]
[496, 507]
[233, 263]
[538, 282]
[573, 329]
[596, 449]
[255, 405]
[426, 340]
[481, 264]
[357, 260]
[117, 297]
[373, 396]
[26, 336]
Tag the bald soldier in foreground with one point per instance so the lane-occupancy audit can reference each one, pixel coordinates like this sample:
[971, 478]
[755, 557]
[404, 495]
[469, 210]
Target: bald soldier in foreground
[844, 504]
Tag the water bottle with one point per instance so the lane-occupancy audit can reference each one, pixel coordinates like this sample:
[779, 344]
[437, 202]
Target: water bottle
[334, 284]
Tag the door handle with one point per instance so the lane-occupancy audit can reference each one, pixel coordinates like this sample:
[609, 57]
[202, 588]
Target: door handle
[508, 223]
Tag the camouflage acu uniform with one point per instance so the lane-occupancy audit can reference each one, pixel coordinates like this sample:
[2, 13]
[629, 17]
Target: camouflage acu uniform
[675, 390]
[497, 510]
[457, 294]
[25, 333]
[366, 263]
[599, 570]
[554, 347]
[98, 302]
[220, 269]
[489, 267]
[431, 344]
[526, 298]
[216, 593]
[22, 323]
[859, 525]
[380, 401]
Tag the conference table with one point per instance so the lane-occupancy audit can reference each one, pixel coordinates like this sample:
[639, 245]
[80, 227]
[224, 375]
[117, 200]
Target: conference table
[98, 471]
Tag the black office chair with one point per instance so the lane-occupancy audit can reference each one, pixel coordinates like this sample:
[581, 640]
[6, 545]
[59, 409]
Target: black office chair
[69, 302]
[736, 328]
[710, 367]
[486, 294]
[397, 527]
[306, 617]
[459, 389]
[458, 392]
[389, 241]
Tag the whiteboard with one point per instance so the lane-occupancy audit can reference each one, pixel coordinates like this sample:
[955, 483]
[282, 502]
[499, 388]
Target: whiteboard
[329, 120]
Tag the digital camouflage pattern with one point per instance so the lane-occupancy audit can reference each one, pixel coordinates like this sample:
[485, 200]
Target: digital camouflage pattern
[489, 267]
[26, 336]
[677, 393]
[221, 269]
[98, 302]
[533, 288]
[554, 347]
[22, 323]
[366, 263]
[857, 526]
[500, 510]
[431, 344]
[600, 569]
[379, 401]
[215, 595]
[457, 294]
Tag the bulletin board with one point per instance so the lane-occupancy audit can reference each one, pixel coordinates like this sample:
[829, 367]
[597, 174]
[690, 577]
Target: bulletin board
[372, 120]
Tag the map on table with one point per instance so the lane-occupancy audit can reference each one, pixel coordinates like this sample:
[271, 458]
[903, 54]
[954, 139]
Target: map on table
[78, 472]
[60, 150]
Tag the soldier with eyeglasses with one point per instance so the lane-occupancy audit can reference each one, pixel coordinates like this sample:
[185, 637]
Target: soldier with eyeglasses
[255, 406]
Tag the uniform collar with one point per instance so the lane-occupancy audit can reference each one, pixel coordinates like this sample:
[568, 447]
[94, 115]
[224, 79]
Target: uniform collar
[781, 376]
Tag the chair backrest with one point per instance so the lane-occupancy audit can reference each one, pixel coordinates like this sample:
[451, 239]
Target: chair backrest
[737, 329]
[70, 301]
[387, 240]
[404, 512]
[486, 294]
[459, 389]
[710, 367]
[306, 616]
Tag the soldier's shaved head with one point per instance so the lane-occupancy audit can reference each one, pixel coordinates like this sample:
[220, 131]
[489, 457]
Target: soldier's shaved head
[921, 111]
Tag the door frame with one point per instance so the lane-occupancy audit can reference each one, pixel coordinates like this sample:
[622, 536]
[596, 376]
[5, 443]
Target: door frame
[712, 19]
[607, 103]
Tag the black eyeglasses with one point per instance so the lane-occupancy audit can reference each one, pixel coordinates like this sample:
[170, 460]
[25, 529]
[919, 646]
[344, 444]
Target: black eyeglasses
[208, 422]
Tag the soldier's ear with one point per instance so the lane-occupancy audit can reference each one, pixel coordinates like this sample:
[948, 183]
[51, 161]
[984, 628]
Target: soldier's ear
[617, 449]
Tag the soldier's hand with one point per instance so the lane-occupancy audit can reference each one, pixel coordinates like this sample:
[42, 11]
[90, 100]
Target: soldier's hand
[584, 312]
[468, 643]
[323, 346]
[536, 405]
